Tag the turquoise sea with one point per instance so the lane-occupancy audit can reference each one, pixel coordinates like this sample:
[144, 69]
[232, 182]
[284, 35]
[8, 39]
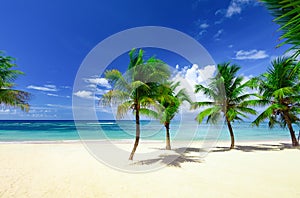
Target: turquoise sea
[29, 130]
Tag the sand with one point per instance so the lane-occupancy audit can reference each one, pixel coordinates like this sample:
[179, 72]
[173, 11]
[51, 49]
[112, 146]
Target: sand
[69, 170]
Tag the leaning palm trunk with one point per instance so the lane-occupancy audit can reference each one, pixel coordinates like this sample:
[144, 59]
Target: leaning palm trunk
[168, 143]
[137, 132]
[231, 133]
[292, 132]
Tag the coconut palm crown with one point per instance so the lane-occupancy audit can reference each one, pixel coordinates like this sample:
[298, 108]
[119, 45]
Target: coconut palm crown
[8, 95]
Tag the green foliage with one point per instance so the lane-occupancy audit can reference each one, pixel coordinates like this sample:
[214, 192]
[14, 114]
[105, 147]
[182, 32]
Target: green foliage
[8, 95]
[170, 101]
[287, 15]
[135, 90]
[227, 95]
[279, 88]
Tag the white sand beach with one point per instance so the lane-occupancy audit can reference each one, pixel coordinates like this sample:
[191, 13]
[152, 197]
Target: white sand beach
[69, 170]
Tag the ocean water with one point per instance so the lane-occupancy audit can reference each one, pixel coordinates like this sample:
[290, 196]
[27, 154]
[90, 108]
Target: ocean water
[11, 131]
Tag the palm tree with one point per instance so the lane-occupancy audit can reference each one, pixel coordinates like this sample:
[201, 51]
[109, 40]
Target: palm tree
[170, 103]
[287, 15]
[8, 95]
[228, 98]
[280, 90]
[135, 90]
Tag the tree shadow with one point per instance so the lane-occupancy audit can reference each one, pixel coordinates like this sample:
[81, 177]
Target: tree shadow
[190, 154]
[169, 160]
[259, 147]
[180, 156]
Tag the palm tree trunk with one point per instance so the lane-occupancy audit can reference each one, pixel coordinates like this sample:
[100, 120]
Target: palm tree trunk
[231, 133]
[292, 132]
[168, 143]
[137, 131]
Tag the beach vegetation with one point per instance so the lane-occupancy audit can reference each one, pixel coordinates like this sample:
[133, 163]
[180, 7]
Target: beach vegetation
[170, 99]
[135, 90]
[287, 15]
[279, 90]
[8, 95]
[227, 97]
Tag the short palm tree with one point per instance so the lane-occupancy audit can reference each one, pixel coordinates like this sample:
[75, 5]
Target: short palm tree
[280, 90]
[170, 102]
[228, 98]
[8, 95]
[136, 89]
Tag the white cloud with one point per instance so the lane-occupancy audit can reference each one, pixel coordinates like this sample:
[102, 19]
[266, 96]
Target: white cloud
[92, 86]
[59, 106]
[101, 91]
[65, 87]
[86, 95]
[219, 12]
[202, 32]
[191, 76]
[5, 111]
[99, 81]
[8, 110]
[250, 55]
[236, 6]
[204, 25]
[219, 21]
[50, 86]
[50, 94]
[56, 95]
[218, 34]
[198, 75]
[43, 88]
[233, 8]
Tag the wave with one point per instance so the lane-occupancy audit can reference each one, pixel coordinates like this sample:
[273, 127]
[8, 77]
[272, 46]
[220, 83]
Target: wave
[101, 123]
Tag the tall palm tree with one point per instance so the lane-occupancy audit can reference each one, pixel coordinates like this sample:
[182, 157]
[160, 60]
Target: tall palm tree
[228, 98]
[8, 95]
[287, 15]
[170, 102]
[136, 89]
[280, 90]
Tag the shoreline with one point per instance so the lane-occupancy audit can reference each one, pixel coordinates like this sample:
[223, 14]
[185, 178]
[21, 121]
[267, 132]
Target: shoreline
[130, 141]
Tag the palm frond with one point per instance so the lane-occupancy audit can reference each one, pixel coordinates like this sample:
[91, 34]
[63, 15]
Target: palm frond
[149, 113]
[182, 95]
[15, 98]
[123, 109]
[8, 95]
[247, 110]
[286, 14]
[196, 105]
[242, 98]
[114, 97]
[209, 113]
[207, 91]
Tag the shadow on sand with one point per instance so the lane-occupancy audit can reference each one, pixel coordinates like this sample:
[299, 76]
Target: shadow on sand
[259, 147]
[178, 156]
[191, 154]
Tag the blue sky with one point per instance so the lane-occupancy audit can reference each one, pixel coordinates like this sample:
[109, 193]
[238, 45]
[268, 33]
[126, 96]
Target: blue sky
[50, 39]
